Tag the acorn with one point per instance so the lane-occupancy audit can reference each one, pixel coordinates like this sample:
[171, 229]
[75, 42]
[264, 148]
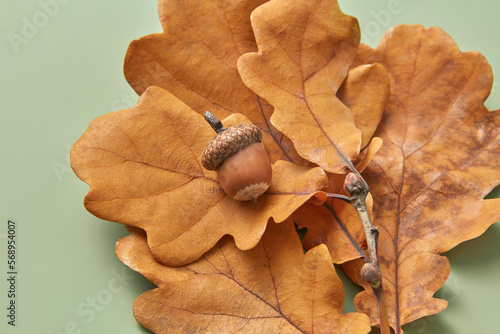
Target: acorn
[241, 161]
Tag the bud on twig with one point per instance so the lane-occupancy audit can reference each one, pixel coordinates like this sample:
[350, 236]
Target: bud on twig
[355, 185]
[370, 274]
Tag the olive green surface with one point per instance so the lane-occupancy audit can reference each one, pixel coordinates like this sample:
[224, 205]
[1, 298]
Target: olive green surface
[61, 65]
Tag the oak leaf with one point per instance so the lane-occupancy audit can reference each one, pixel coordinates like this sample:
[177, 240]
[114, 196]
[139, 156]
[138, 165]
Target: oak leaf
[305, 51]
[272, 288]
[143, 167]
[439, 159]
[195, 60]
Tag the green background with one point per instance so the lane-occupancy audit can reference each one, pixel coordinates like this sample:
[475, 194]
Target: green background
[68, 72]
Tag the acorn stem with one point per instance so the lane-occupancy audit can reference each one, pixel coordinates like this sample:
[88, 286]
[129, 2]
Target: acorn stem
[214, 122]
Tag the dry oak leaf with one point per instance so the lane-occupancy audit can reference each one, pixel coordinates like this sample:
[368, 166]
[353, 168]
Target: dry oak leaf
[143, 167]
[195, 59]
[272, 288]
[440, 158]
[305, 51]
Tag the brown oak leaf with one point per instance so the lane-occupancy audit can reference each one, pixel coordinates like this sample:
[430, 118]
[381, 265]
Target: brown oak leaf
[143, 167]
[305, 51]
[440, 157]
[195, 60]
[272, 288]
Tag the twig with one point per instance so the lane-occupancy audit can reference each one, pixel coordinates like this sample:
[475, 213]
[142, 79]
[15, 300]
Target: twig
[357, 188]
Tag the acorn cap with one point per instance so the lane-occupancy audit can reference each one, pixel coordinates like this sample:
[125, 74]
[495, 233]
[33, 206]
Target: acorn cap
[228, 142]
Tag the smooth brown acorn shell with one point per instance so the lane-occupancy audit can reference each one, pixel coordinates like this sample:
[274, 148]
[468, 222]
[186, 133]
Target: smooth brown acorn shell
[246, 174]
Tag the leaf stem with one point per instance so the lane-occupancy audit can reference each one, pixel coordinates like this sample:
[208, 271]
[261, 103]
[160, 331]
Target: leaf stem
[382, 310]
